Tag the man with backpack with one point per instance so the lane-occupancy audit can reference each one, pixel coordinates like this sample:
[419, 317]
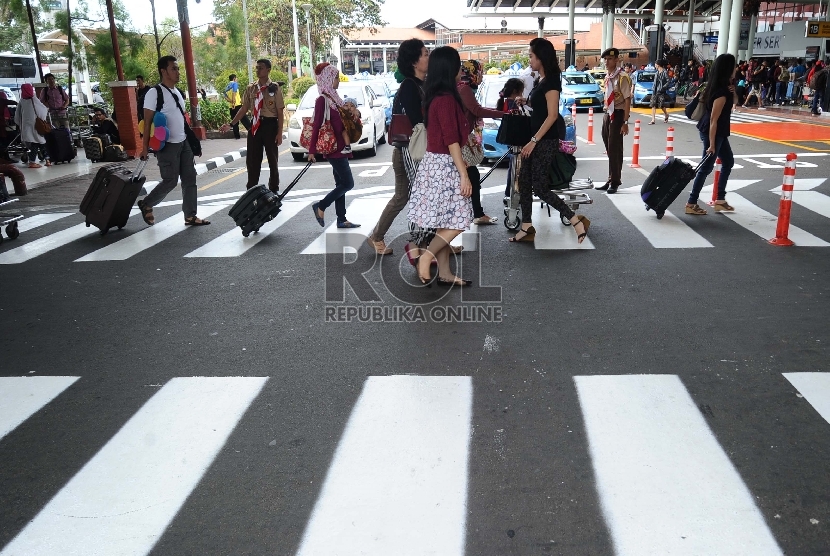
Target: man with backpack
[783, 83]
[56, 100]
[263, 98]
[175, 159]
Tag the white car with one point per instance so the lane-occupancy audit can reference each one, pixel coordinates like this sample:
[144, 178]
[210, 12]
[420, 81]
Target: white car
[9, 93]
[371, 114]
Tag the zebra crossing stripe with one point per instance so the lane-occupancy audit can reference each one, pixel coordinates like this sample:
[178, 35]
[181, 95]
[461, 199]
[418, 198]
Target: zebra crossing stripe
[814, 201]
[22, 396]
[146, 238]
[233, 244]
[335, 240]
[51, 242]
[668, 233]
[762, 223]
[815, 387]
[398, 480]
[552, 234]
[38, 220]
[665, 484]
[124, 498]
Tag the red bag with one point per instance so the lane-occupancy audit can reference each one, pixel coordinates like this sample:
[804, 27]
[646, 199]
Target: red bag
[326, 140]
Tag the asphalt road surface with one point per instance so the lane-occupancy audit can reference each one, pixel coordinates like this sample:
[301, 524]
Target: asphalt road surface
[664, 389]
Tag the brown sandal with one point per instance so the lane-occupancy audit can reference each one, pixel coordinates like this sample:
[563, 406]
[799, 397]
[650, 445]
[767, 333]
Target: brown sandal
[195, 221]
[146, 213]
[529, 236]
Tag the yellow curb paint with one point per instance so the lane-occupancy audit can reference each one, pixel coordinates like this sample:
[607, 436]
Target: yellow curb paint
[220, 180]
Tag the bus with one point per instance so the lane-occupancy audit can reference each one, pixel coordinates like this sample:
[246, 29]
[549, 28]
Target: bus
[17, 69]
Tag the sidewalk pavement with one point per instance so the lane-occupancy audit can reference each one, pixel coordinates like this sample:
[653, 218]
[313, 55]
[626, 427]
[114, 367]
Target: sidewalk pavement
[801, 113]
[62, 185]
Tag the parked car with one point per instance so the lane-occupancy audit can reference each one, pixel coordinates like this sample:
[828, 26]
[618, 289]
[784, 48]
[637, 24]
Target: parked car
[385, 94]
[371, 112]
[643, 81]
[598, 74]
[9, 93]
[488, 96]
[582, 90]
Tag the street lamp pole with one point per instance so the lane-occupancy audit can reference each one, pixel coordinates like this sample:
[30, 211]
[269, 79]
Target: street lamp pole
[307, 8]
[155, 28]
[296, 39]
[190, 69]
[247, 42]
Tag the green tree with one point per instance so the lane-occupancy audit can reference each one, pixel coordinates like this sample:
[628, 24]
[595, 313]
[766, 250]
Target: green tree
[15, 33]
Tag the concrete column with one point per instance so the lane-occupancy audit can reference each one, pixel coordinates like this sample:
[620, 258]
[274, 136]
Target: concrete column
[385, 67]
[371, 63]
[602, 45]
[609, 37]
[541, 32]
[659, 11]
[734, 29]
[723, 32]
[691, 22]
[753, 27]
[571, 18]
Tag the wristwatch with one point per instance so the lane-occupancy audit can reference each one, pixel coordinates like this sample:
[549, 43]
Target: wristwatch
[534, 139]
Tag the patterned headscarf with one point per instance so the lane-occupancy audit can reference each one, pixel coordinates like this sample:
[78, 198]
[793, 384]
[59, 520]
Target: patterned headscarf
[27, 91]
[472, 73]
[326, 78]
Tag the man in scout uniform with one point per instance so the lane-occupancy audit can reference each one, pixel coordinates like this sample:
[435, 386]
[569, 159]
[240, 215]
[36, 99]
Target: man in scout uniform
[234, 98]
[615, 122]
[263, 99]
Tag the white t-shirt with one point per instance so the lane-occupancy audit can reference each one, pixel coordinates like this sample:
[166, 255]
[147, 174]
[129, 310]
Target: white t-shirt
[175, 120]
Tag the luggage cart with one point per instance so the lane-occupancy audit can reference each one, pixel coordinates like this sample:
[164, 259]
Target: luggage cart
[574, 196]
[8, 220]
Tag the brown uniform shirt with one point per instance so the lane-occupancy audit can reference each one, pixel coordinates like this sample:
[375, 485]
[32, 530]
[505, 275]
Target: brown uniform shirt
[272, 101]
[622, 89]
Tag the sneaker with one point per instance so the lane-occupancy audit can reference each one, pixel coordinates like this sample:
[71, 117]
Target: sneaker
[379, 246]
[695, 209]
[723, 206]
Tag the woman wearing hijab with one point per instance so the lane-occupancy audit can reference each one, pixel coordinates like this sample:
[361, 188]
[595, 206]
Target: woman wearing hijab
[472, 73]
[328, 81]
[28, 110]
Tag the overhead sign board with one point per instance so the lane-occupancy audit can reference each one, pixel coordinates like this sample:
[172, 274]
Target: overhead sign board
[818, 29]
[768, 43]
[743, 40]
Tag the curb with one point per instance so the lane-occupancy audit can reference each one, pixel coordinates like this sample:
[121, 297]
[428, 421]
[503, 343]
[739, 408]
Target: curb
[211, 164]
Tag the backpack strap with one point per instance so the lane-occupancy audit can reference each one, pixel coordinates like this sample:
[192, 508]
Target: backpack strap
[159, 98]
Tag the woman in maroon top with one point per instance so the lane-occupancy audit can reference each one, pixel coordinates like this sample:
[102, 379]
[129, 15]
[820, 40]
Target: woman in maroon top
[328, 80]
[441, 191]
[472, 73]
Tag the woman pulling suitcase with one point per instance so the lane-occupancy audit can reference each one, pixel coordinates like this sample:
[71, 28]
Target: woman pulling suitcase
[718, 98]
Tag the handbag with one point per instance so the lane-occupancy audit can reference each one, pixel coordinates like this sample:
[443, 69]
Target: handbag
[418, 143]
[515, 130]
[567, 147]
[41, 126]
[695, 110]
[326, 140]
[473, 152]
[400, 130]
[562, 170]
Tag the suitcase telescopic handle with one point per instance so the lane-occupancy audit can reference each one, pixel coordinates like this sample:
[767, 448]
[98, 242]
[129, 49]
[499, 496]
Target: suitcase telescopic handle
[703, 161]
[139, 168]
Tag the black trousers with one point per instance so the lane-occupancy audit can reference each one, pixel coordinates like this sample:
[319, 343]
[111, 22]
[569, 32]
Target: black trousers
[475, 181]
[245, 121]
[265, 139]
[534, 177]
[613, 139]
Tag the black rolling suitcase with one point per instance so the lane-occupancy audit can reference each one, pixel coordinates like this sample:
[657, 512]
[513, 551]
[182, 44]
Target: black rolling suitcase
[111, 196]
[59, 145]
[259, 205]
[664, 183]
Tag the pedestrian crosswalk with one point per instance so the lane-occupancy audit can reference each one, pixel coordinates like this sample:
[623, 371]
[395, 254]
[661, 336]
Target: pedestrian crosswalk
[398, 481]
[365, 205]
[745, 116]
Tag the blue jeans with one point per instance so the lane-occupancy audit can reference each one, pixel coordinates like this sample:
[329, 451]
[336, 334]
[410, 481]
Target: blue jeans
[817, 97]
[343, 182]
[722, 151]
[781, 95]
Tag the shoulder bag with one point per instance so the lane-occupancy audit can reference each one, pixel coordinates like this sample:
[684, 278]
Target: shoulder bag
[695, 109]
[326, 140]
[400, 130]
[418, 143]
[473, 152]
[192, 140]
[515, 130]
[41, 126]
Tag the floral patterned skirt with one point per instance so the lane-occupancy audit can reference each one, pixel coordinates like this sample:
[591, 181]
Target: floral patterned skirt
[435, 200]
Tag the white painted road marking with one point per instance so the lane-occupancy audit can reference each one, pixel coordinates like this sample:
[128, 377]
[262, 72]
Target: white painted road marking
[146, 238]
[123, 499]
[665, 484]
[552, 234]
[22, 396]
[398, 481]
[38, 220]
[815, 387]
[763, 224]
[234, 244]
[668, 233]
[335, 240]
